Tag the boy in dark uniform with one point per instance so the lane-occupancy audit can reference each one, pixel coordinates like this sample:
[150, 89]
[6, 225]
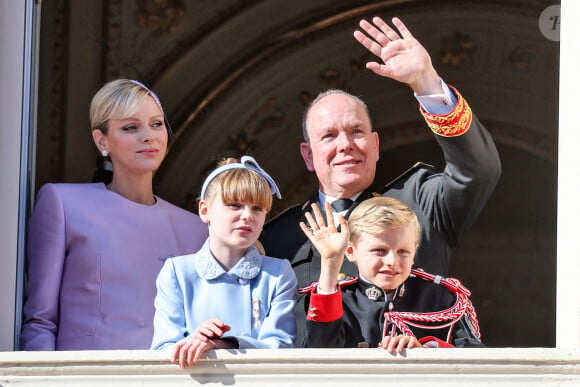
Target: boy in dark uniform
[381, 238]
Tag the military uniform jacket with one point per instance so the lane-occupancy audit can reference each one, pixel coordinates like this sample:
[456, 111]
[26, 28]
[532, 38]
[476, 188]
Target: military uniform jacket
[364, 305]
[446, 204]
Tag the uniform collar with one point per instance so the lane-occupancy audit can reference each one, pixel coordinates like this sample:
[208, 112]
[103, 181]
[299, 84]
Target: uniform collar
[208, 268]
[374, 293]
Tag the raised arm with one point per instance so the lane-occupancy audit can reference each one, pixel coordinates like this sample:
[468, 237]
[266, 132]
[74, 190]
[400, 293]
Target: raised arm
[450, 201]
[402, 57]
[330, 242]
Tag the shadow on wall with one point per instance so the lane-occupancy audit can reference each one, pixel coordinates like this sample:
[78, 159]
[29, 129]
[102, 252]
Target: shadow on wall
[508, 257]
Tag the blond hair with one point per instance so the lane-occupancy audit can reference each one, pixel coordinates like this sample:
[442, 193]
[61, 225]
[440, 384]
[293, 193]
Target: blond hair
[118, 99]
[240, 185]
[375, 215]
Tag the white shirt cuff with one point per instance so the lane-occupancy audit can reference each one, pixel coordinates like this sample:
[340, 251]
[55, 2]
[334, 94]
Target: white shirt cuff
[320, 291]
[438, 103]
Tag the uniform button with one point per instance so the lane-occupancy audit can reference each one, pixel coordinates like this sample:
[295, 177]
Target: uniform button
[243, 281]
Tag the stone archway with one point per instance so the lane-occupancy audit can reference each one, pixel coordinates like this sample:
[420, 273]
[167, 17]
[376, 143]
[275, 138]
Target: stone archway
[235, 76]
[509, 75]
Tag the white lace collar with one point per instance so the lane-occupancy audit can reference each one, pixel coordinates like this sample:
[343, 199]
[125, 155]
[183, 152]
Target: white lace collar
[248, 267]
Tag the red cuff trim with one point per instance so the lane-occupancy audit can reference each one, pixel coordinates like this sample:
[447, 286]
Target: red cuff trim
[325, 307]
[455, 123]
[441, 343]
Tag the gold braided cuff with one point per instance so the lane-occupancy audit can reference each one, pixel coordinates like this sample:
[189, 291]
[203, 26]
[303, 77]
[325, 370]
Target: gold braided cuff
[455, 123]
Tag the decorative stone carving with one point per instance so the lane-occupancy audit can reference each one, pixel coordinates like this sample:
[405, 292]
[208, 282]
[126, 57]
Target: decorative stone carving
[457, 49]
[523, 57]
[51, 130]
[162, 16]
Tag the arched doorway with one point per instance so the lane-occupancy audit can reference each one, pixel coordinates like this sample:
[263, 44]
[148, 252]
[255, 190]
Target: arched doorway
[235, 77]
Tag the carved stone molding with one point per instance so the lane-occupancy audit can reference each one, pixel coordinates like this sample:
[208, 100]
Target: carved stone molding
[298, 367]
[457, 49]
[161, 16]
[522, 58]
[51, 129]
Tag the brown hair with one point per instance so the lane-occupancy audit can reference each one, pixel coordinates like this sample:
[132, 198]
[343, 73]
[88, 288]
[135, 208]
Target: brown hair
[240, 185]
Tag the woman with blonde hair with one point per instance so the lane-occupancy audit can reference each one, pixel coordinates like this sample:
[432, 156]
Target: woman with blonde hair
[94, 250]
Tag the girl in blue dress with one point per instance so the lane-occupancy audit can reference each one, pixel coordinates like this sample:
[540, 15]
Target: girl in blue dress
[227, 295]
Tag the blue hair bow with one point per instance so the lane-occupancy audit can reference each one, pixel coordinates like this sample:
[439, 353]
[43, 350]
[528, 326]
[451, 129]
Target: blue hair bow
[246, 162]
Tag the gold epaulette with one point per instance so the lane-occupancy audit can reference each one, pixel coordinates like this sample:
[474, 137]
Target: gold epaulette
[455, 123]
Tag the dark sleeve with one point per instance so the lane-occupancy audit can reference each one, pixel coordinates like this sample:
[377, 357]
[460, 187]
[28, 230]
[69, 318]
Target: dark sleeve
[464, 337]
[452, 200]
[282, 236]
[324, 334]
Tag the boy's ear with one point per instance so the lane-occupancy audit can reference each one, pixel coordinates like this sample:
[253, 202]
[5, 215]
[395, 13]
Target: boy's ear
[349, 252]
[415, 253]
[203, 209]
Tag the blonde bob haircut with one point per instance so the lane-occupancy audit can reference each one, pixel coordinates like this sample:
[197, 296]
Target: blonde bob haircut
[240, 185]
[378, 214]
[118, 99]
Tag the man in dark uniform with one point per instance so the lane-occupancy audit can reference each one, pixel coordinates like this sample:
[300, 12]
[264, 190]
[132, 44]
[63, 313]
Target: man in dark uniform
[341, 148]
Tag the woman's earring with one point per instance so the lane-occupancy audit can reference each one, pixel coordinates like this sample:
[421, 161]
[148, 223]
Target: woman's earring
[104, 153]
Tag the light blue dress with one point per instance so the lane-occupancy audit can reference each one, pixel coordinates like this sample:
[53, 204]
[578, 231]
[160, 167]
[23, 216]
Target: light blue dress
[255, 298]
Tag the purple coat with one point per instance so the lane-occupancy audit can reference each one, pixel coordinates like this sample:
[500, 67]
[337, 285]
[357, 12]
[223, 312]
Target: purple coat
[93, 257]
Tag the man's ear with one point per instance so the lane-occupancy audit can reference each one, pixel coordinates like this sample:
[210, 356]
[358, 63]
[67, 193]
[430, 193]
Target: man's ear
[100, 140]
[306, 152]
[376, 145]
[349, 252]
[203, 210]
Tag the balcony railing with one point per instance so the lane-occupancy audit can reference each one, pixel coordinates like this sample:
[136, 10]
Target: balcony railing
[297, 367]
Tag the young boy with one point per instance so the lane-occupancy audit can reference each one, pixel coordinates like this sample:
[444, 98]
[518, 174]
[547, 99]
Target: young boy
[381, 237]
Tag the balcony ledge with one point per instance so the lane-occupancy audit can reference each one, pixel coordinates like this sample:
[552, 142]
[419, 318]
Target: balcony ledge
[296, 367]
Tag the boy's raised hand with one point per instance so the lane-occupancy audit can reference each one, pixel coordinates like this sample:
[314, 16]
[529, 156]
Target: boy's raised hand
[330, 242]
